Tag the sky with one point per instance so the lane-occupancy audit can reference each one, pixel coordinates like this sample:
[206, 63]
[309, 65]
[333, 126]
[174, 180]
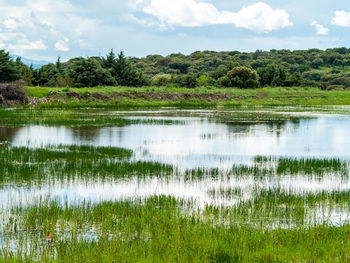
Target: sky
[46, 29]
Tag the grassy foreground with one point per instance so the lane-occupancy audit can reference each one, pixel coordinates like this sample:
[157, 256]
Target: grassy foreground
[181, 97]
[273, 225]
[157, 230]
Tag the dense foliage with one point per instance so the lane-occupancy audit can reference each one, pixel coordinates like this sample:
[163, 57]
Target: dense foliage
[326, 69]
[241, 77]
[9, 70]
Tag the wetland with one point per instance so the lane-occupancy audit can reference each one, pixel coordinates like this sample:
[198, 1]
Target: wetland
[238, 184]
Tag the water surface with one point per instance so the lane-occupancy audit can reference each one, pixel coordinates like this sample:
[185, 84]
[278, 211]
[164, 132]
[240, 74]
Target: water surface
[201, 138]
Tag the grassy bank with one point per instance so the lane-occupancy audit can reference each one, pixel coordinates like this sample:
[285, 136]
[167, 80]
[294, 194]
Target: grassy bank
[181, 97]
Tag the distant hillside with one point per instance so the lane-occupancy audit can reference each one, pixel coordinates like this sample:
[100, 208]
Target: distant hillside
[326, 69]
[36, 63]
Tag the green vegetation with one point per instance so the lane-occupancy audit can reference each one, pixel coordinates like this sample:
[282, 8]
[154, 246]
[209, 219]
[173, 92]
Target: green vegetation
[262, 224]
[20, 117]
[250, 213]
[241, 77]
[119, 97]
[327, 69]
[59, 163]
[55, 162]
[157, 230]
[201, 79]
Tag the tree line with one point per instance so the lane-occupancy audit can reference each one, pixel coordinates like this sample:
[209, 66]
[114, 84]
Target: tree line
[327, 69]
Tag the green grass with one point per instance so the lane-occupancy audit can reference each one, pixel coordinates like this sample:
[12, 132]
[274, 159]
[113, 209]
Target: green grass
[57, 117]
[257, 224]
[26, 165]
[39, 167]
[14, 117]
[158, 230]
[286, 96]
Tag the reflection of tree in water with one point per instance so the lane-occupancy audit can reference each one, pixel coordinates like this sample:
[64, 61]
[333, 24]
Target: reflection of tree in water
[7, 133]
[250, 128]
[86, 134]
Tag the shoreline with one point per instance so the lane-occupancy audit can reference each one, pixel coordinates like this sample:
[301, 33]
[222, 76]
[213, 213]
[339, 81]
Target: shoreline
[122, 97]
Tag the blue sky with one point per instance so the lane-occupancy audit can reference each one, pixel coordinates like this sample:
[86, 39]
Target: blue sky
[45, 29]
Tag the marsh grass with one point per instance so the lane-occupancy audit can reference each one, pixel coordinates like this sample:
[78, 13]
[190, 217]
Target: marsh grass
[35, 165]
[23, 165]
[261, 225]
[158, 230]
[57, 117]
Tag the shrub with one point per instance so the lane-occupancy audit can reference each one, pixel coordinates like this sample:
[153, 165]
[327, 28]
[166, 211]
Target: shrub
[241, 77]
[336, 87]
[313, 75]
[162, 79]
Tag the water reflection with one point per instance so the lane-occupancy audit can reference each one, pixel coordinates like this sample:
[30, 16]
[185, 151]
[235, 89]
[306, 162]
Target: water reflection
[198, 142]
[202, 142]
[85, 135]
[7, 133]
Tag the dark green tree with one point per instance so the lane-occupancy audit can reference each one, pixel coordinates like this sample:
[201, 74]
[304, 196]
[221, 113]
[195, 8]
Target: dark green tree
[9, 70]
[90, 73]
[121, 69]
[316, 63]
[46, 75]
[272, 75]
[189, 81]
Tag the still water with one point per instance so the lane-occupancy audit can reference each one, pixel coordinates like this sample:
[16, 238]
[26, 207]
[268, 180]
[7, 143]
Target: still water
[210, 139]
[201, 141]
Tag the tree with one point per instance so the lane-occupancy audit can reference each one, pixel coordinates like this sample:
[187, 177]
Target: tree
[202, 80]
[8, 69]
[273, 75]
[189, 81]
[28, 75]
[316, 63]
[181, 66]
[109, 61]
[294, 79]
[59, 64]
[241, 77]
[123, 72]
[90, 73]
[46, 75]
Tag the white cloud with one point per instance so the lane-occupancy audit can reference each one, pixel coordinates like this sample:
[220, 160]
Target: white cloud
[62, 45]
[44, 23]
[25, 44]
[320, 29]
[259, 17]
[11, 23]
[341, 18]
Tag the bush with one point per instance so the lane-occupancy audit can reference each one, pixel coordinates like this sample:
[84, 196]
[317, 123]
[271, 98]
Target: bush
[241, 77]
[162, 79]
[313, 75]
[202, 80]
[336, 87]
[65, 81]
